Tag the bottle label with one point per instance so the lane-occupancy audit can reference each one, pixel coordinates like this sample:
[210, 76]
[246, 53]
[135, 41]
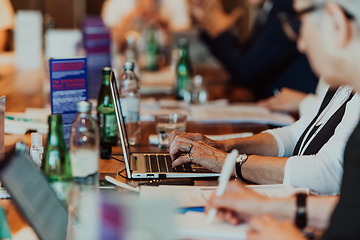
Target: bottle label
[107, 125]
[84, 162]
[110, 125]
[130, 109]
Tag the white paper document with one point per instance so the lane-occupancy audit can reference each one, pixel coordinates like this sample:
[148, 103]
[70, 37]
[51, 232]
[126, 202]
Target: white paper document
[160, 82]
[240, 113]
[154, 138]
[180, 196]
[196, 196]
[193, 225]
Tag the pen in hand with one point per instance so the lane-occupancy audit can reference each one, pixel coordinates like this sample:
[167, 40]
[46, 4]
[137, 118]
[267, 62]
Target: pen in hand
[223, 181]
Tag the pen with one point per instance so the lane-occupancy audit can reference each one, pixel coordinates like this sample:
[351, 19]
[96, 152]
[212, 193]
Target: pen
[120, 184]
[223, 181]
[276, 92]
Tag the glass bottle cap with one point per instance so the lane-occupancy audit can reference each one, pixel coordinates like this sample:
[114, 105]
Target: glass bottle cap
[106, 70]
[129, 66]
[198, 80]
[183, 42]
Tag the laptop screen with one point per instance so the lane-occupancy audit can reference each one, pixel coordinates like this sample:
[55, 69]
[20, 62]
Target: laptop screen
[120, 121]
[33, 195]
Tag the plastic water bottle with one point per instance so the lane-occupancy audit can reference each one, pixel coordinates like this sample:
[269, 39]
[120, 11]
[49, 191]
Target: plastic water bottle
[84, 158]
[131, 53]
[36, 149]
[84, 147]
[130, 102]
[198, 93]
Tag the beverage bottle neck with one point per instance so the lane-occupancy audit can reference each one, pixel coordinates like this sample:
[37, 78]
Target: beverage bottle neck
[55, 130]
[106, 79]
[129, 80]
[152, 35]
[183, 51]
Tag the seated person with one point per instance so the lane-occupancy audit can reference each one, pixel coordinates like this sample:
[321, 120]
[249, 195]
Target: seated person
[268, 61]
[122, 16]
[309, 153]
[340, 18]
[6, 22]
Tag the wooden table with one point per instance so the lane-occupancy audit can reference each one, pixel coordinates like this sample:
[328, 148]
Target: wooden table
[112, 167]
[25, 89]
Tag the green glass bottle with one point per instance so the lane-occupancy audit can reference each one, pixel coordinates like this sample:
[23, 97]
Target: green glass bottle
[152, 58]
[106, 112]
[56, 164]
[183, 70]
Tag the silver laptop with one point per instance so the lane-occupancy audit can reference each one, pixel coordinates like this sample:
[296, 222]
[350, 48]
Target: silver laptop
[150, 165]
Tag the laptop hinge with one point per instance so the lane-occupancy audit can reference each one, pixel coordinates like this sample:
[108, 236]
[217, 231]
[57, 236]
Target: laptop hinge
[133, 165]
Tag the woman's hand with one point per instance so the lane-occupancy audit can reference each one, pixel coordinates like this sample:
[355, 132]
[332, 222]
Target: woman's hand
[287, 100]
[267, 228]
[201, 153]
[196, 137]
[238, 204]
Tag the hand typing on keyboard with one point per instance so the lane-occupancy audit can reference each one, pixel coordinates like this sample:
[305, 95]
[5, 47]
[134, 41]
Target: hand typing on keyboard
[201, 153]
[197, 137]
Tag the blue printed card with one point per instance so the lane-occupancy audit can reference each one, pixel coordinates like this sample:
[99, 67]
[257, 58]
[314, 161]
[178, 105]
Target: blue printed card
[68, 83]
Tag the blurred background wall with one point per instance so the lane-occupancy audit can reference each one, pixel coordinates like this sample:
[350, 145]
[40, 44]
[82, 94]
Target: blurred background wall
[66, 13]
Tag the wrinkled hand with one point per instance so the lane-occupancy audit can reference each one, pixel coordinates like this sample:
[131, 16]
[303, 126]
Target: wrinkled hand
[210, 16]
[238, 204]
[203, 154]
[287, 100]
[196, 137]
[267, 228]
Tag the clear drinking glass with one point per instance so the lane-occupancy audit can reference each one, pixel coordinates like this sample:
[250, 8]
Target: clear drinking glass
[165, 124]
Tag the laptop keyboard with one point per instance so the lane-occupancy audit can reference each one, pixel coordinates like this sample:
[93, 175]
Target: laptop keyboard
[162, 163]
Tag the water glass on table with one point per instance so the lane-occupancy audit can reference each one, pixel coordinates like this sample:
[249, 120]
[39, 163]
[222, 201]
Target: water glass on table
[165, 124]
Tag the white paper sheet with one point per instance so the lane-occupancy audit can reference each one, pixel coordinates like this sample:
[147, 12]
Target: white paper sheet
[154, 138]
[179, 195]
[230, 136]
[240, 113]
[193, 225]
[196, 196]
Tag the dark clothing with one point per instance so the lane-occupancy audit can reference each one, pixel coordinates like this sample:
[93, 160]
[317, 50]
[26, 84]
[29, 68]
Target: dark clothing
[327, 131]
[268, 61]
[345, 223]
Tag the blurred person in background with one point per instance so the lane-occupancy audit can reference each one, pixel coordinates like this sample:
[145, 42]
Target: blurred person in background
[6, 22]
[268, 60]
[124, 17]
[330, 36]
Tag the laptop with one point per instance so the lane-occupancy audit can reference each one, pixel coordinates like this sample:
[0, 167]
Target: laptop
[33, 195]
[150, 165]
